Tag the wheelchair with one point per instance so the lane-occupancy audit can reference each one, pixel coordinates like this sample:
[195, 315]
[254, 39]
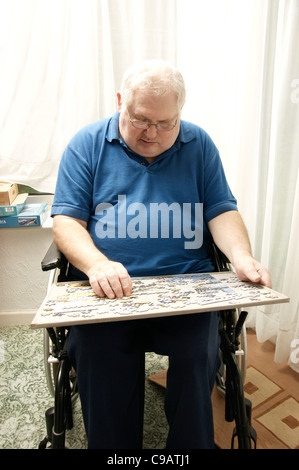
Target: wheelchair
[61, 378]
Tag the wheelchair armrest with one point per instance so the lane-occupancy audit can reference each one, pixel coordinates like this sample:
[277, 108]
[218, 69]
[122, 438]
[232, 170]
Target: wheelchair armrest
[53, 259]
[220, 261]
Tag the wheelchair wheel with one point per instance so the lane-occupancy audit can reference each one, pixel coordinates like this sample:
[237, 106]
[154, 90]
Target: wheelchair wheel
[50, 364]
[241, 357]
[62, 384]
[241, 353]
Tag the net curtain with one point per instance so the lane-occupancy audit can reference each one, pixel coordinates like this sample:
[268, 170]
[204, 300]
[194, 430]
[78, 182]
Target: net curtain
[61, 64]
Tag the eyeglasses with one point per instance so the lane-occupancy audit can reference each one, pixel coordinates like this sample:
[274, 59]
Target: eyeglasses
[160, 126]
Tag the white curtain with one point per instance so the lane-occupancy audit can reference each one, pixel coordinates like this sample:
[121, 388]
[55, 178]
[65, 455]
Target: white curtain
[277, 220]
[241, 62]
[61, 64]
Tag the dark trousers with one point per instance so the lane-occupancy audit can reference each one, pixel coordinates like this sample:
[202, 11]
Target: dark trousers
[109, 360]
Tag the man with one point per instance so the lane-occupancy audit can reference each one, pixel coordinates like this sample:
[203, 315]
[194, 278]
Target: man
[144, 193]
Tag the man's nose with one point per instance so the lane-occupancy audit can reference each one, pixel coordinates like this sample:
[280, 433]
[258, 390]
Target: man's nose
[151, 132]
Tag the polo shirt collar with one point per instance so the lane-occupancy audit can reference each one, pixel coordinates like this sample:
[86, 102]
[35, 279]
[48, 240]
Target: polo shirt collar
[112, 130]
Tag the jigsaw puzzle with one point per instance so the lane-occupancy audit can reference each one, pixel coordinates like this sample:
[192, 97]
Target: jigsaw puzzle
[75, 302]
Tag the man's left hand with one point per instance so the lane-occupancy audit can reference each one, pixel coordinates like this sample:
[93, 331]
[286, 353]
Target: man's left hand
[248, 269]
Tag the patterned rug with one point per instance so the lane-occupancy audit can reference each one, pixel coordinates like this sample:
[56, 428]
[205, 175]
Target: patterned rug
[24, 396]
[273, 390]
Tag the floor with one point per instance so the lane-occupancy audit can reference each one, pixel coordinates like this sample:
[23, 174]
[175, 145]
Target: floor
[273, 390]
[24, 397]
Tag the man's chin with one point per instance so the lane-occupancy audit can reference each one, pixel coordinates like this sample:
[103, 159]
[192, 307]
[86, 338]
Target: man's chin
[148, 149]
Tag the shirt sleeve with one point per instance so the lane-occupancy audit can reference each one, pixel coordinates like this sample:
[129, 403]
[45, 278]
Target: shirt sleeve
[218, 197]
[73, 194]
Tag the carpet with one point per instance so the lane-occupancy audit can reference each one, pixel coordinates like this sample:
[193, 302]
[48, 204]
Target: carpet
[24, 396]
[273, 390]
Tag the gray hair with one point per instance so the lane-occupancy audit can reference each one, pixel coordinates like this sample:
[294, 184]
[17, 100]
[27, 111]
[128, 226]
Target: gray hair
[157, 77]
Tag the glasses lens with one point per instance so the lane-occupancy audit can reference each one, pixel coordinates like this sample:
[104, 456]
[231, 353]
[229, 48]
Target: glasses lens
[165, 126]
[161, 126]
[140, 124]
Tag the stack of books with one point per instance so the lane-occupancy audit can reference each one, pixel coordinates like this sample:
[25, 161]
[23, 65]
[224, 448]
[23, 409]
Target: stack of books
[14, 212]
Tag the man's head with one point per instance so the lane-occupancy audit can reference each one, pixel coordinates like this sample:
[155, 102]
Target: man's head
[152, 92]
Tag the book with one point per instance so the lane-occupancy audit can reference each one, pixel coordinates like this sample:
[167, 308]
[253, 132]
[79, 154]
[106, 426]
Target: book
[71, 303]
[32, 215]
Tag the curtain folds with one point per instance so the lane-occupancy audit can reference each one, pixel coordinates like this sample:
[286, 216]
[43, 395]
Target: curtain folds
[61, 64]
[277, 214]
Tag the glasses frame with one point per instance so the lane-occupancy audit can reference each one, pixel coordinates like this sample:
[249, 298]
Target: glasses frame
[145, 125]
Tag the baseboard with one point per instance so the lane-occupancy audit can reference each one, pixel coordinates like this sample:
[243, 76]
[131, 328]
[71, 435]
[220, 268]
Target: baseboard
[23, 317]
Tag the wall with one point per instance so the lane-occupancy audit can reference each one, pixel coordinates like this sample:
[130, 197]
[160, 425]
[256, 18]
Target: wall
[23, 285]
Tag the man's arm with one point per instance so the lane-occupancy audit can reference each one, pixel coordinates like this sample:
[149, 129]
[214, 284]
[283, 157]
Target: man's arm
[107, 278]
[230, 235]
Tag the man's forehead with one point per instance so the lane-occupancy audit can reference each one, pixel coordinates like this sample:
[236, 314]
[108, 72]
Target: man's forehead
[148, 105]
[147, 117]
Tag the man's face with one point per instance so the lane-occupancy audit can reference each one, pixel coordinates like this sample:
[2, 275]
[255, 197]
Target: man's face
[149, 143]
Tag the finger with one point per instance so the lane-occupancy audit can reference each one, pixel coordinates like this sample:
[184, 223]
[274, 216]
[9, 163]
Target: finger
[113, 281]
[110, 285]
[96, 286]
[253, 276]
[257, 274]
[121, 284]
[249, 274]
[126, 282]
[265, 278]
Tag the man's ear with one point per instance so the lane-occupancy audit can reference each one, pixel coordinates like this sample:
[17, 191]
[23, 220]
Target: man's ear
[119, 101]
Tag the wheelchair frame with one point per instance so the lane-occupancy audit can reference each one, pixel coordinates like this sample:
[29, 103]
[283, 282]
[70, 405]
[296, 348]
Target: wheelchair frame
[62, 385]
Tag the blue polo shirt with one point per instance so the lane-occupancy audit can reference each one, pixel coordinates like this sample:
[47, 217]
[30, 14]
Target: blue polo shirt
[150, 217]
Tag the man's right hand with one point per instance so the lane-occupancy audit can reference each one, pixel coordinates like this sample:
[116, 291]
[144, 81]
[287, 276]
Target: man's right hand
[107, 278]
[110, 279]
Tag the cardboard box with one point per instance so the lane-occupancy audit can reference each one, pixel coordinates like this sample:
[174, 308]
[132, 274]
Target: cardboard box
[15, 208]
[33, 215]
[8, 193]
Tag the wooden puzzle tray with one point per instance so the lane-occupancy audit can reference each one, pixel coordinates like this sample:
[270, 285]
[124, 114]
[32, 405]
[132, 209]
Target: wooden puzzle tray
[71, 303]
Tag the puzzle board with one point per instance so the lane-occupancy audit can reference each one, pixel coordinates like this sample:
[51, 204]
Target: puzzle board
[72, 303]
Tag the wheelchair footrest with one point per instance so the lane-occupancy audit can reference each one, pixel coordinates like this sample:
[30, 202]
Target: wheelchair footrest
[49, 415]
[252, 437]
[248, 433]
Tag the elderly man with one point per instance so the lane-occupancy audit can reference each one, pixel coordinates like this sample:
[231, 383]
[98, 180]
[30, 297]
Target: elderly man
[144, 193]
